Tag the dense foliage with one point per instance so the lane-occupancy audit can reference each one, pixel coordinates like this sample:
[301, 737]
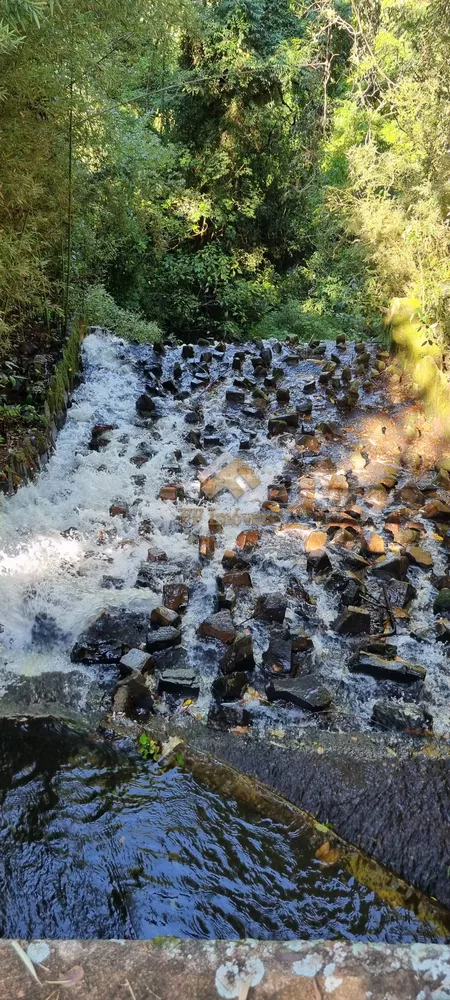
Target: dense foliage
[232, 167]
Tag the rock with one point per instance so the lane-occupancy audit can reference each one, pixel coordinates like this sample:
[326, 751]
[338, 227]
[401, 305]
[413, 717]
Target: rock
[239, 656]
[206, 546]
[145, 405]
[304, 409]
[231, 560]
[318, 561]
[193, 417]
[136, 661]
[193, 437]
[112, 583]
[348, 585]
[175, 596]
[132, 696]
[410, 495]
[161, 617]
[283, 396]
[229, 687]
[188, 351]
[278, 494]
[373, 544]
[443, 630]
[111, 636]
[230, 714]
[277, 426]
[163, 638]
[442, 601]
[354, 621]
[215, 527]
[156, 556]
[435, 510]
[172, 492]
[398, 715]
[45, 633]
[146, 577]
[382, 669]
[316, 540]
[401, 593]
[419, 557]
[278, 656]
[179, 681]
[118, 510]
[270, 608]
[338, 482]
[198, 461]
[391, 566]
[237, 578]
[235, 396]
[146, 529]
[306, 692]
[247, 540]
[219, 626]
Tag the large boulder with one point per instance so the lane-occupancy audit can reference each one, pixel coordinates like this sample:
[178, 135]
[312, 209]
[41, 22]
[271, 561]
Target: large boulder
[112, 635]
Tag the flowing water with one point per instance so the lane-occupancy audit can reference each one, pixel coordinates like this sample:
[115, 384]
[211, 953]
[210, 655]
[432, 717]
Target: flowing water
[94, 842]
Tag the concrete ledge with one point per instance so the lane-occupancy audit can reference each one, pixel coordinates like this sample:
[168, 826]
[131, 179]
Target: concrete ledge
[393, 804]
[165, 969]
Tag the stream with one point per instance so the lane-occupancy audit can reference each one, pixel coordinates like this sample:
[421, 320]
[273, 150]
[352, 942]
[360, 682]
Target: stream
[97, 841]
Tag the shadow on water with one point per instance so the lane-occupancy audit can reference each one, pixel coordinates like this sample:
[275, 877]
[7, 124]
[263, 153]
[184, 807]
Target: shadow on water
[96, 842]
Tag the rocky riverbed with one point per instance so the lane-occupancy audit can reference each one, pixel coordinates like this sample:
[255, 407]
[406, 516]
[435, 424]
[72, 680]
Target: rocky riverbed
[252, 539]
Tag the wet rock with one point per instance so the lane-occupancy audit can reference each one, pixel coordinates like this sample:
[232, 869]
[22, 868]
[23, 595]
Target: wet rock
[100, 436]
[318, 561]
[212, 441]
[442, 601]
[206, 546]
[247, 540]
[383, 669]
[229, 687]
[146, 577]
[45, 632]
[156, 556]
[354, 621]
[373, 544]
[304, 409]
[401, 716]
[231, 560]
[401, 593]
[175, 596]
[277, 426]
[229, 714]
[136, 661]
[419, 557]
[112, 583]
[235, 396]
[278, 494]
[146, 405]
[180, 682]
[198, 461]
[278, 656]
[410, 494]
[172, 492]
[436, 510]
[215, 527]
[391, 567]
[219, 626]
[188, 351]
[283, 396]
[306, 692]
[316, 540]
[239, 656]
[132, 697]
[119, 510]
[193, 417]
[443, 630]
[226, 599]
[237, 578]
[161, 617]
[193, 437]
[110, 637]
[163, 638]
[146, 529]
[270, 608]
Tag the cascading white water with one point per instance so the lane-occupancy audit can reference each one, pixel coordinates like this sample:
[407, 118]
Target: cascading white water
[45, 568]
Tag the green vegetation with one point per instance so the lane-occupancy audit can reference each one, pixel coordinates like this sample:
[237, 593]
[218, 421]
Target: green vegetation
[236, 168]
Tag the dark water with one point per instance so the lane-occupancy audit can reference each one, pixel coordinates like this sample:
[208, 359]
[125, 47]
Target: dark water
[95, 842]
